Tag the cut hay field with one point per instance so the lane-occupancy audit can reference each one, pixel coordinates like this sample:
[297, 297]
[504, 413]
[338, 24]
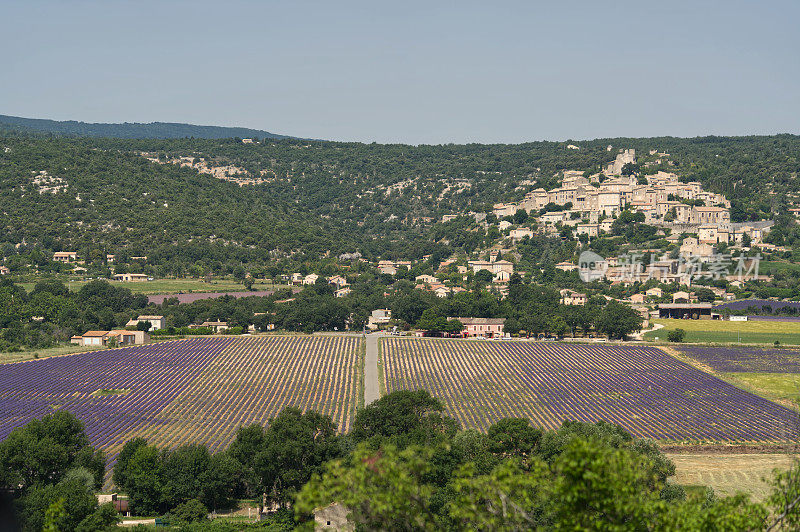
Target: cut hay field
[188, 391]
[643, 389]
[723, 332]
[30, 354]
[729, 473]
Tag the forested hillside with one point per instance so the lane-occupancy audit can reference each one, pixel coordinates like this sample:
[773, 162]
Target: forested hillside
[315, 198]
[155, 130]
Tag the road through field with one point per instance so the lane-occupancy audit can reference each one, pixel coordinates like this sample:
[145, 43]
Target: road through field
[371, 384]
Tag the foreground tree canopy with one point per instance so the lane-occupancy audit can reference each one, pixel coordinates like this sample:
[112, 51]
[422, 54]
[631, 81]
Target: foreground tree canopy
[404, 466]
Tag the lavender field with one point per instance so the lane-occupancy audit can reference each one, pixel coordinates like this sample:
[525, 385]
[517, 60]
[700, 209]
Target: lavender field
[745, 359]
[762, 305]
[188, 391]
[646, 391]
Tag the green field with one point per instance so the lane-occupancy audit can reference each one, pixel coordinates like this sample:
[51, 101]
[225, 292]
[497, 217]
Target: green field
[173, 286]
[767, 267]
[783, 388]
[719, 331]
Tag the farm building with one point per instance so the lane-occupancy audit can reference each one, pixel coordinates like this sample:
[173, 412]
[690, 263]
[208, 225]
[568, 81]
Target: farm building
[90, 338]
[338, 281]
[156, 322]
[131, 277]
[100, 338]
[216, 326]
[332, 517]
[127, 337]
[342, 292]
[686, 311]
[65, 256]
[482, 327]
[654, 292]
[571, 297]
[380, 316]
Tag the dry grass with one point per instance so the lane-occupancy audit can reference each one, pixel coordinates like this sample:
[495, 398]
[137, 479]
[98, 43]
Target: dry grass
[729, 473]
[30, 354]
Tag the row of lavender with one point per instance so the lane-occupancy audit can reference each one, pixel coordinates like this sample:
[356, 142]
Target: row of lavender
[745, 359]
[188, 391]
[642, 389]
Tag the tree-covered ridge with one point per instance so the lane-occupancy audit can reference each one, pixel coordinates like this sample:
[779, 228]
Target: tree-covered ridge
[128, 130]
[384, 201]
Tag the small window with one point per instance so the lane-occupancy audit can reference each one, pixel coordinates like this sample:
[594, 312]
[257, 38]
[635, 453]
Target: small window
[329, 523]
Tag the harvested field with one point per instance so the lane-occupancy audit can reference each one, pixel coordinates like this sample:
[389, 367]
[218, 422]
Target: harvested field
[729, 473]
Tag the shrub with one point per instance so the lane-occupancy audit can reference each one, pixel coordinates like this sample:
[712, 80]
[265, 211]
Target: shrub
[676, 336]
[190, 511]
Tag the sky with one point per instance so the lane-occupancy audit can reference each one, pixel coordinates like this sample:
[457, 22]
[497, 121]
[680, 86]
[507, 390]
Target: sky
[413, 72]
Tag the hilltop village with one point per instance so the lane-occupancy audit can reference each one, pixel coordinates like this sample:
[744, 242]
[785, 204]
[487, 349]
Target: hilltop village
[659, 244]
[588, 204]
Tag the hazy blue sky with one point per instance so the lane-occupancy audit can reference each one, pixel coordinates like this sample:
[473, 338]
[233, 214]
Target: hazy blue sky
[416, 72]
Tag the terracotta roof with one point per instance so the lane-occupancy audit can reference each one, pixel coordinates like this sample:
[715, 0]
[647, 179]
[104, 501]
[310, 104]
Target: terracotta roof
[480, 321]
[95, 333]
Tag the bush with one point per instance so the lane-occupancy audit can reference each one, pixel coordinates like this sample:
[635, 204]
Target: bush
[676, 336]
[190, 511]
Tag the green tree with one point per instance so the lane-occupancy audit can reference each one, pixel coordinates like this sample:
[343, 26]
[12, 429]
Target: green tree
[294, 447]
[42, 451]
[61, 506]
[245, 447]
[183, 473]
[618, 321]
[383, 489]
[432, 322]
[404, 418]
[514, 437]
[676, 335]
[509, 498]
[785, 496]
[190, 511]
[454, 326]
[120, 476]
[143, 481]
[705, 295]
[483, 276]
[221, 482]
[104, 518]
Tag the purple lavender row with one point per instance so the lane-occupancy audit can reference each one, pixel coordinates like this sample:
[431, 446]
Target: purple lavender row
[745, 359]
[155, 374]
[642, 389]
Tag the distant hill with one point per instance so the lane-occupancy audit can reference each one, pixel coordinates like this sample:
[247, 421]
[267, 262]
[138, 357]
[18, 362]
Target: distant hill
[127, 130]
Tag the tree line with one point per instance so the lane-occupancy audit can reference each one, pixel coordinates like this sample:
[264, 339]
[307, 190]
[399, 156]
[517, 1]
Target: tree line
[404, 465]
